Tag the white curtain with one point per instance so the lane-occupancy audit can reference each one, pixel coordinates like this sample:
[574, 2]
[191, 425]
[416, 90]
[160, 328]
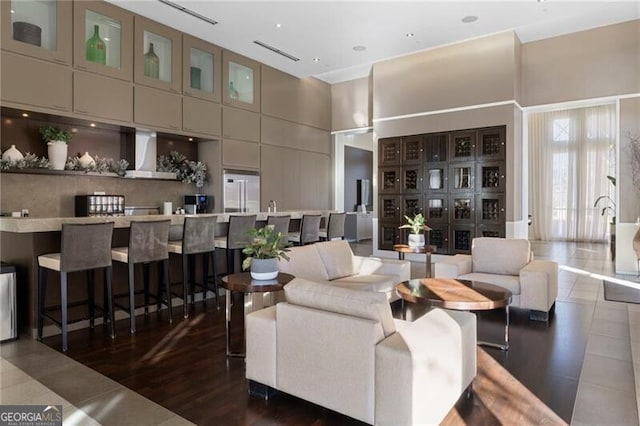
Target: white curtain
[571, 152]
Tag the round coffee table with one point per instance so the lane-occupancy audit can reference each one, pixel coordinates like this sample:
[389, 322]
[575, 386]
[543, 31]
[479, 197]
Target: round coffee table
[461, 295]
[427, 250]
[256, 294]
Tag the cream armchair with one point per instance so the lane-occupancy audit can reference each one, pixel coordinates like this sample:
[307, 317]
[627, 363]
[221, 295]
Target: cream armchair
[507, 263]
[341, 349]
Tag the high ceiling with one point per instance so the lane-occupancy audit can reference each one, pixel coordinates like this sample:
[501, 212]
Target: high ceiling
[328, 31]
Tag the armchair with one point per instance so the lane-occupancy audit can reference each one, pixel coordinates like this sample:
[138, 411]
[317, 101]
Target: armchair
[507, 263]
[341, 349]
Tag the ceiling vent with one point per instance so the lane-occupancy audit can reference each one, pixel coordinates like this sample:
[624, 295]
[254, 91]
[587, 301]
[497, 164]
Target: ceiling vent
[278, 51]
[188, 11]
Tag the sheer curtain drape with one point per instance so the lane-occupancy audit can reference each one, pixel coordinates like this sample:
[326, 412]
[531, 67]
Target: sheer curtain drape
[570, 156]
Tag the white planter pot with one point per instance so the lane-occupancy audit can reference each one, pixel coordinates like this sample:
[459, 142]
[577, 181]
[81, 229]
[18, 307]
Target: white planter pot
[264, 269]
[57, 151]
[416, 240]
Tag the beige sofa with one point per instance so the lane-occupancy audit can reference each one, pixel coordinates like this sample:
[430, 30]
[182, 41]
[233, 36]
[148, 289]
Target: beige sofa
[342, 349]
[333, 262]
[507, 263]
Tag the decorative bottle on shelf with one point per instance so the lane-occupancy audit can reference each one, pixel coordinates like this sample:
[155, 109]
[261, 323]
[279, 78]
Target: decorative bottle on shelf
[151, 63]
[233, 93]
[96, 49]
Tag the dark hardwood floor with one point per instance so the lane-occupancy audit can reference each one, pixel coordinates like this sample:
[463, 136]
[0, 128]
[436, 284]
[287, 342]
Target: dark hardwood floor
[183, 367]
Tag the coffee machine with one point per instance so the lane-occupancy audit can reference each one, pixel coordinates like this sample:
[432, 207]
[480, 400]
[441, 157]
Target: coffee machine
[197, 203]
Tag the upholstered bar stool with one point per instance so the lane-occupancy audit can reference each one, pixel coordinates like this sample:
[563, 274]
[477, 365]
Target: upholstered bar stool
[280, 224]
[83, 247]
[335, 227]
[148, 242]
[237, 238]
[309, 230]
[198, 237]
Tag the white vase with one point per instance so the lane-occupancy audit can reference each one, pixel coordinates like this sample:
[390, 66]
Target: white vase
[57, 151]
[86, 161]
[12, 155]
[416, 240]
[435, 180]
[264, 269]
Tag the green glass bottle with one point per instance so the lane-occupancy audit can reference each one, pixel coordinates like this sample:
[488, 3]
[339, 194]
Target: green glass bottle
[96, 49]
[151, 63]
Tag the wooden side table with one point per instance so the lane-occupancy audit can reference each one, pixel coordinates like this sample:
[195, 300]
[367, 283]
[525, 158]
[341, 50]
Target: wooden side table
[256, 294]
[427, 250]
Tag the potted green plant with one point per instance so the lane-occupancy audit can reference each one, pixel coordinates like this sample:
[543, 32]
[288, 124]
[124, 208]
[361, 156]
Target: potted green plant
[416, 224]
[57, 140]
[264, 250]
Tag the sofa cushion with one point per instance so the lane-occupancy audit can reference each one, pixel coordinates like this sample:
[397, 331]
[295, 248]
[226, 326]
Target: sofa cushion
[500, 255]
[362, 304]
[337, 258]
[510, 282]
[304, 262]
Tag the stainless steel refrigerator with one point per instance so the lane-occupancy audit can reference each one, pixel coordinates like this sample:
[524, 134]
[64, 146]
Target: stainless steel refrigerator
[241, 191]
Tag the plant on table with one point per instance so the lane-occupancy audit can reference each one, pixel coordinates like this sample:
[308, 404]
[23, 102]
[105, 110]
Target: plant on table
[265, 245]
[417, 225]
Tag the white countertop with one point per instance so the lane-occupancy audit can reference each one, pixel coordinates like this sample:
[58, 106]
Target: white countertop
[49, 224]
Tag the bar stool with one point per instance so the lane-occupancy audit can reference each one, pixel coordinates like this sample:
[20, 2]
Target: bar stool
[309, 230]
[83, 247]
[280, 224]
[335, 227]
[198, 237]
[147, 243]
[237, 238]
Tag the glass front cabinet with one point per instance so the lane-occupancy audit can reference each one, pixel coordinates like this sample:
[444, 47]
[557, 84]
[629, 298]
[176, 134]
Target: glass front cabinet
[201, 69]
[157, 56]
[103, 39]
[240, 82]
[41, 29]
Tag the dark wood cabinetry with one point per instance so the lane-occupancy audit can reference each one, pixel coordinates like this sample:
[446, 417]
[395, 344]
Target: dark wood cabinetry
[456, 179]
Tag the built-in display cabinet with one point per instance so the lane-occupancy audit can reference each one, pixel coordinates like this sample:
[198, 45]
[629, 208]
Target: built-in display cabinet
[240, 82]
[456, 179]
[103, 39]
[157, 55]
[201, 69]
[40, 29]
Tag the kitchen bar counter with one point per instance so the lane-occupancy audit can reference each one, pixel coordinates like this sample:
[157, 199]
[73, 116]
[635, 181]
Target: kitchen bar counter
[22, 240]
[52, 224]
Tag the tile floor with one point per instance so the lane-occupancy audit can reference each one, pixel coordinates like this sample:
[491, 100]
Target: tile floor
[606, 394]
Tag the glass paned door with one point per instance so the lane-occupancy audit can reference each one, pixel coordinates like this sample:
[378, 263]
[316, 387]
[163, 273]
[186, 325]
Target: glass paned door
[35, 22]
[201, 70]
[157, 56]
[240, 83]
[103, 37]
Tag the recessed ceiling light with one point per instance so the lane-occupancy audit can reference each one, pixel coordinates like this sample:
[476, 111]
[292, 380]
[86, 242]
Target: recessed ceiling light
[316, 59]
[409, 34]
[359, 48]
[469, 19]
[92, 124]
[190, 139]
[24, 114]
[278, 25]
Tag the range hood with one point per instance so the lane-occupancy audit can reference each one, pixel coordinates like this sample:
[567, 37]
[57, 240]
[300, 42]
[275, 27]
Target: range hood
[145, 159]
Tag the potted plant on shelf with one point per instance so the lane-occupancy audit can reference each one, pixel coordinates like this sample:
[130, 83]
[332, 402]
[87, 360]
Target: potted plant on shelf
[416, 225]
[57, 140]
[263, 252]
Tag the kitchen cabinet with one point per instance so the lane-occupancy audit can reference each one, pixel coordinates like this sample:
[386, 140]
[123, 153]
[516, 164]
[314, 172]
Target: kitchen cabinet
[389, 151]
[157, 55]
[315, 190]
[157, 109]
[201, 69]
[28, 82]
[240, 124]
[102, 97]
[201, 117]
[240, 154]
[103, 39]
[40, 29]
[240, 81]
[358, 226]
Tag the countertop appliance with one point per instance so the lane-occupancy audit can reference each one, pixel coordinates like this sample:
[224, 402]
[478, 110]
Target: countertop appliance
[8, 319]
[197, 203]
[99, 205]
[241, 191]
